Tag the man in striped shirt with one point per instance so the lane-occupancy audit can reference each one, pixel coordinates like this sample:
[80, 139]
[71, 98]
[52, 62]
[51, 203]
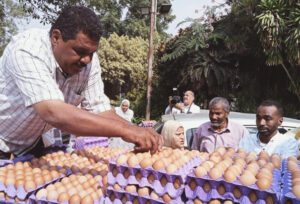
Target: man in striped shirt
[45, 77]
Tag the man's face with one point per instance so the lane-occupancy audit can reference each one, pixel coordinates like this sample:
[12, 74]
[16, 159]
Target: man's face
[267, 120]
[218, 116]
[125, 107]
[73, 55]
[188, 98]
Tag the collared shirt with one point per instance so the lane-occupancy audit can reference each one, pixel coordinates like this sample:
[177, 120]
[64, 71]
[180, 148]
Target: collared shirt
[30, 74]
[207, 139]
[283, 145]
[128, 115]
[187, 109]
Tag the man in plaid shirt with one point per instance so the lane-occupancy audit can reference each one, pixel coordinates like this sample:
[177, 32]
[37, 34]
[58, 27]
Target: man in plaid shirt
[45, 77]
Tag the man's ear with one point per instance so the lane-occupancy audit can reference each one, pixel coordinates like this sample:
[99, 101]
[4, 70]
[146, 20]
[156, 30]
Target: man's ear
[55, 37]
[280, 120]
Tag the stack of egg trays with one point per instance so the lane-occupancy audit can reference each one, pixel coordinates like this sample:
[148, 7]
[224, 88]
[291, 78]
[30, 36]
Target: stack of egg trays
[20, 192]
[198, 192]
[5, 162]
[84, 142]
[286, 192]
[169, 188]
[130, 196]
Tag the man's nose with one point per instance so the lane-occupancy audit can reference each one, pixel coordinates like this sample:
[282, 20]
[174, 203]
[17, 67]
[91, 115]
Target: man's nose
[261, 122]
[86, 59]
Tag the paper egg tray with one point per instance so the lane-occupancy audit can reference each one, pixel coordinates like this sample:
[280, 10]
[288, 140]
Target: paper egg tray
[3, 201]
[20, 192]
[274, 191]
[85, 142]
[5, 162]
[169, 188]
[286, 192]
[33, 200]
[131, 196]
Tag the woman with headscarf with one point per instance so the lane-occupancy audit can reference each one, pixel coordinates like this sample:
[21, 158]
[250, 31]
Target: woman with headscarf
[173, 134]
[124, 111]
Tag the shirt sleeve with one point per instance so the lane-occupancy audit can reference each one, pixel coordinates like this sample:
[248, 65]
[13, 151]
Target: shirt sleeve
[94, 98]
[288, 148]
[33, 78]
[243, 144]
[196, 140]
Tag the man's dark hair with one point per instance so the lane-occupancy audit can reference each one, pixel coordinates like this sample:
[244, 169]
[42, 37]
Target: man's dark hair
[74, 19]
[273, 103]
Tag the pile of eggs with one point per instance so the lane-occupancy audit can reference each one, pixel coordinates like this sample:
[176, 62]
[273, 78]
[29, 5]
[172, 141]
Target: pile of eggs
[168, 159]
[76, 188]
[140, 191]
[246, 167]
[97, 153]
[292, 166]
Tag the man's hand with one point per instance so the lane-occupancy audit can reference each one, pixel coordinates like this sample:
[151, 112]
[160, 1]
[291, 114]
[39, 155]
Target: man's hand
[144, 139]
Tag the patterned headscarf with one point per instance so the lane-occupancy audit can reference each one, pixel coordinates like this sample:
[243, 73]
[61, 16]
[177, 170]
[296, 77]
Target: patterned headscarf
[169, 130]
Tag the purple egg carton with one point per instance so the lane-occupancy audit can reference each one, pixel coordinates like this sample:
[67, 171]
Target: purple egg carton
[20, 192]
[131, 196]
[24, 158]
[169, 188]
[4, 201]
[83, 142]
[5, 162]
[198, 192]
[148, 123]
[33, 200]
[287, 194]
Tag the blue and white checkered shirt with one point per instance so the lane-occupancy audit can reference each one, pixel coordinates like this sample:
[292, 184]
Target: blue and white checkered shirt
[30, 74]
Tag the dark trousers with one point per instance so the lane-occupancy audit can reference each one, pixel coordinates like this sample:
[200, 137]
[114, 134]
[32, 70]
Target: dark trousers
[36, 151]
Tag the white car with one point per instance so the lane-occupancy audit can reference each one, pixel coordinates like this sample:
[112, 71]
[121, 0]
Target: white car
[191, 122]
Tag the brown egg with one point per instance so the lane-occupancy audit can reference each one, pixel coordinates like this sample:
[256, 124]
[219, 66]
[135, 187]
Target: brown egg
[74, 199]
[215, 173]
[229, 176]
[171, 168]
[206, 187]
[158, 165]
[151, 178]
[237, 193]
[29, 185]
[166, 198]
[263, 183]
[130, 188]
[122, 159]
[72, 191]
[193, 184]
[39, 180]
[163, 181]
[197, 201]
[50, 187]
[19, 182]
[145, 163]
[200, 171]
[132, 161]
[95, 196]
[117, 187]
[247, 179]
[153, 195]
[296, 190]
[63, 197]
[10, 181]
[176, 183]
[221, 189]
[228, 202]
[144, 191]
[52, 195]
[87, 200]
[252, 196]
[41, 194]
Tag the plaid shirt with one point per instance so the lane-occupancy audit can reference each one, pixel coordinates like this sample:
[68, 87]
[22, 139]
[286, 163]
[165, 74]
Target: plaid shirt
[29, 74]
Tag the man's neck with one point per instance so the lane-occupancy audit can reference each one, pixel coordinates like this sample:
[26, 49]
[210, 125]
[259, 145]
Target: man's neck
[219, 129]
[267, 139]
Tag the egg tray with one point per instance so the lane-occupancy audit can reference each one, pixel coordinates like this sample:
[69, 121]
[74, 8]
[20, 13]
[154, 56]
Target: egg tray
[5, 162]
[20, 192]
[33, 200]
[24, 158]
[11, 201]
[274, 191]
[84, 142]
[287, 189]
[131, 196]
[169, 188]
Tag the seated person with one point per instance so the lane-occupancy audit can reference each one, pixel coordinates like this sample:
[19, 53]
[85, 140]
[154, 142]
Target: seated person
[220, 131]
[268, 117]
[173, 134]
[187, 106]
[124, 111]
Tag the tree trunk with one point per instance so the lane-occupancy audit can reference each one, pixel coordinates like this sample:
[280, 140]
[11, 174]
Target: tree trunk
[292, 81]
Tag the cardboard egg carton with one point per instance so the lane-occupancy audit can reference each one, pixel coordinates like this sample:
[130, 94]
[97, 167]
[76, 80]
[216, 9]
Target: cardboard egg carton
[84, 142]
[43, 200]
[287, 195]
[122, 196]
[178, 177]
[206, 195]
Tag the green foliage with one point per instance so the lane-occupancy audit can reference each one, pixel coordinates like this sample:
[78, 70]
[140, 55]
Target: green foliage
[9, 13]
[124, 64]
